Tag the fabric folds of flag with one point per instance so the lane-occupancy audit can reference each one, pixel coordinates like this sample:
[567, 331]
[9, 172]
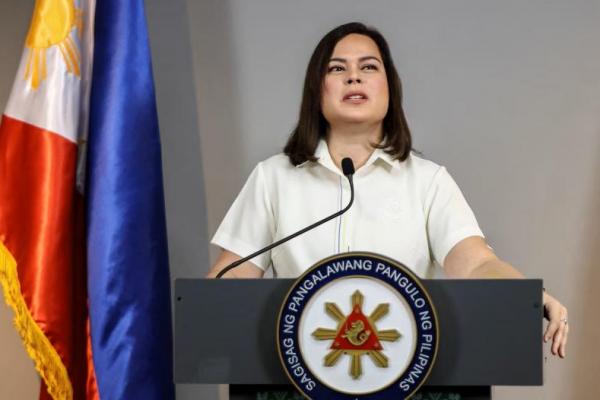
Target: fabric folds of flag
[84, 263]
[42, 241]
[128, 275]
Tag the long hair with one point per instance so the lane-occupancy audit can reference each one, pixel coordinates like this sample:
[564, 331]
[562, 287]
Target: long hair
[312, 125]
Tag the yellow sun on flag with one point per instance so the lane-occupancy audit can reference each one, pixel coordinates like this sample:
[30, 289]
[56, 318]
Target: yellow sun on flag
[51, 25]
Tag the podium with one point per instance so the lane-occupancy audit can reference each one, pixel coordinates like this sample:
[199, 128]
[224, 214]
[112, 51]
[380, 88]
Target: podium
[490, 334]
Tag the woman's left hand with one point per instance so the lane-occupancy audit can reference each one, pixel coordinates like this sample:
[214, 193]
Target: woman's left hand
[558, 327]
[473, 258]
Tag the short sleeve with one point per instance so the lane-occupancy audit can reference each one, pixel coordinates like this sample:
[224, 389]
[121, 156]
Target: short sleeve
[449, 217]
[249, 224]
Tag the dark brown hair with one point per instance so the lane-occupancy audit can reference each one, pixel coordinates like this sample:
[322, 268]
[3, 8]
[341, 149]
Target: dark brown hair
[312, 125]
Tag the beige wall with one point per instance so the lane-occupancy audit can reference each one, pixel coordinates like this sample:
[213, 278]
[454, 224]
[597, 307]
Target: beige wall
[505, 94]
[18, 379]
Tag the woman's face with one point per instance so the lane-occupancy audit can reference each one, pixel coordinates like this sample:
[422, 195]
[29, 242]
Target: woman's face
[355, 88]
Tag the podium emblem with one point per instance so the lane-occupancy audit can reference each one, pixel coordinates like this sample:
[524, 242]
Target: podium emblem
[356, 335]
[357, 325]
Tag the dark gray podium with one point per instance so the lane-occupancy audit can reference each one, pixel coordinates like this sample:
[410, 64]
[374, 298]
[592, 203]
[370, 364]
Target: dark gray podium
[490, 334]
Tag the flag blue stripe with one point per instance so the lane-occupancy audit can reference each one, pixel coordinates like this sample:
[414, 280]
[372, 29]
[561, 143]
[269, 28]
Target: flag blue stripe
[128, 273]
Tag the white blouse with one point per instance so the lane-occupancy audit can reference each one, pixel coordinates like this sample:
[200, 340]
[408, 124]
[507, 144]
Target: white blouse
[410, 211]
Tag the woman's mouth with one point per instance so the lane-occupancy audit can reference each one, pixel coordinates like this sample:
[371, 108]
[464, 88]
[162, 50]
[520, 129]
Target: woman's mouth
[355, 97]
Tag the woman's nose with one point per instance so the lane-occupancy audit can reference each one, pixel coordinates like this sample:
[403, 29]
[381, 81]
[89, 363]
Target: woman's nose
[353, 76]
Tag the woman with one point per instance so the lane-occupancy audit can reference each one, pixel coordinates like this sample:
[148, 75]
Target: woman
[406, 208]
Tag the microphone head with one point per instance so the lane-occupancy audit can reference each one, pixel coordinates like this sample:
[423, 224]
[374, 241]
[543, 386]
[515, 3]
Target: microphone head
[347, 166]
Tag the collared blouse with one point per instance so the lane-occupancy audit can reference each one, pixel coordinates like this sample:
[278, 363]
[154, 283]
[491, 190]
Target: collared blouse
[410, 211]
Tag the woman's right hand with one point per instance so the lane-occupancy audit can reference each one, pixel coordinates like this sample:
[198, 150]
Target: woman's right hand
[247, 270]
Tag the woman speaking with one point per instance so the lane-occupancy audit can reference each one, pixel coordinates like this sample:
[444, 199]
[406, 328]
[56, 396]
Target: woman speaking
[406, 207]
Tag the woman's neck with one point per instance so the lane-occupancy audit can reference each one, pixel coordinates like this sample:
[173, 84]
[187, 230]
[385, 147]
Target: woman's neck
[354, 142]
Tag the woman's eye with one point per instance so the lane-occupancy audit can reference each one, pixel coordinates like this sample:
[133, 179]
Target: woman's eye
[370, 67]
[335, 68]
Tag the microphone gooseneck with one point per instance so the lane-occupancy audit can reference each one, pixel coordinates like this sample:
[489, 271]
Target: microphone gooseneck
[348, 171]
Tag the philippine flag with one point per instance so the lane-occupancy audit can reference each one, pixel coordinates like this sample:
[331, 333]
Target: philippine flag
[83, 250]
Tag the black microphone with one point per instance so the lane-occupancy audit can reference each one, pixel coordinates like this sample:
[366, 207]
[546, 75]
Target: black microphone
[348, 171]
[348, 168]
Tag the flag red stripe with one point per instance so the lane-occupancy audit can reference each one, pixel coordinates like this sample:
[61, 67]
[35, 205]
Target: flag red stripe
[91, 384]
[41, 225]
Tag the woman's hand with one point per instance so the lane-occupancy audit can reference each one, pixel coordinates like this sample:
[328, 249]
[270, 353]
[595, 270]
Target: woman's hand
[247, 270]
[558, 327]
[473, 258]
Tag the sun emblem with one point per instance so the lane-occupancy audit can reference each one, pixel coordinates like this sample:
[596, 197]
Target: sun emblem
[52, 24]
[356, 335]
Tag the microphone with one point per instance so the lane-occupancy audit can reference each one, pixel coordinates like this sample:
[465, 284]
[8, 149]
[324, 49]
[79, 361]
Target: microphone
[348, 168]
[348, 171]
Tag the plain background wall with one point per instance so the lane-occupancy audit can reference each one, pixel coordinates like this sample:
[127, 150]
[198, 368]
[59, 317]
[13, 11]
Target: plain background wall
[505, 94]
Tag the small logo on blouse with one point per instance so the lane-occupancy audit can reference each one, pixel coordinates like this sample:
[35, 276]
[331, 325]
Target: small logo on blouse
[392, 209]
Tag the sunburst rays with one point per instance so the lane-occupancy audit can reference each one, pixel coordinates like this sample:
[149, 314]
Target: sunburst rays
[53, 24]
[375, 354]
